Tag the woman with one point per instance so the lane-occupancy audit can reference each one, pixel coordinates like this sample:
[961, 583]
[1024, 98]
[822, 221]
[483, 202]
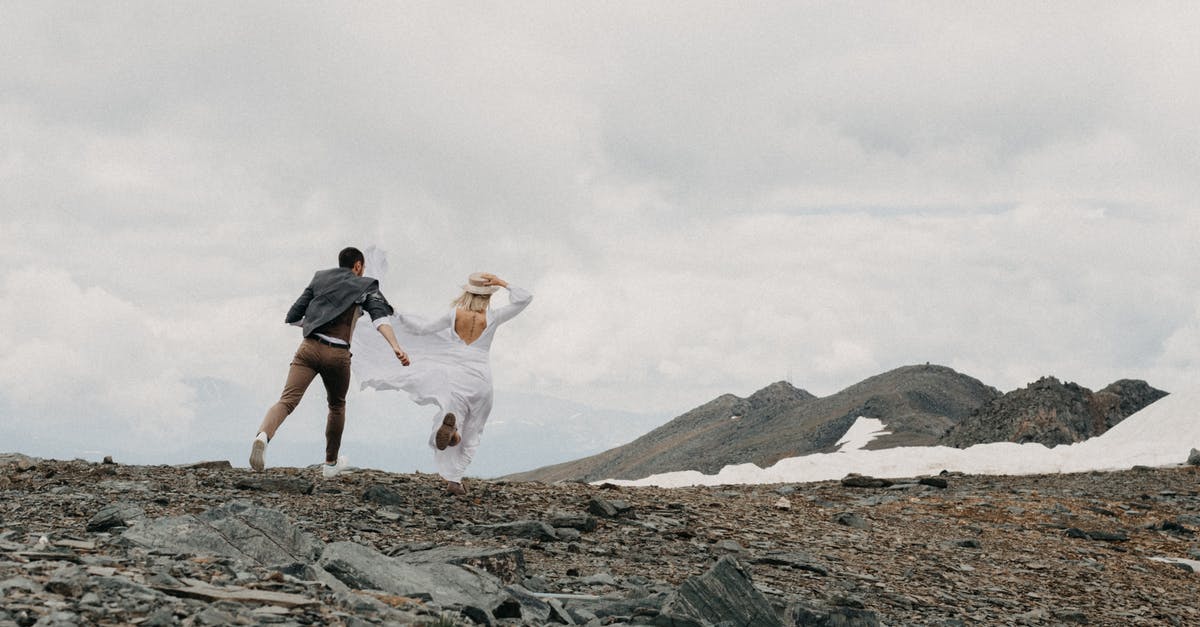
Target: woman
[450, 368]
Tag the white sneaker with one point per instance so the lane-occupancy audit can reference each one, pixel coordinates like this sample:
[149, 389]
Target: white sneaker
[257, 452]
[330, 471]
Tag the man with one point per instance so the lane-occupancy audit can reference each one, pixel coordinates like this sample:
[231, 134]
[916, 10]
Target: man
[327, 312]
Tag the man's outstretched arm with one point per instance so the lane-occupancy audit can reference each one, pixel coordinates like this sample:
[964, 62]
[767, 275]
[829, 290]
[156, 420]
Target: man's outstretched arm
[388, 334]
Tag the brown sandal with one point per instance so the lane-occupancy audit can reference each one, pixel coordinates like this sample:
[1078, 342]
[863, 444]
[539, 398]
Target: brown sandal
[455, 488]
[444, 432]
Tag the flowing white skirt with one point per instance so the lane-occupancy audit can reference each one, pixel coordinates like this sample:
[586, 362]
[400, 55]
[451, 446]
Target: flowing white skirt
[445, 372]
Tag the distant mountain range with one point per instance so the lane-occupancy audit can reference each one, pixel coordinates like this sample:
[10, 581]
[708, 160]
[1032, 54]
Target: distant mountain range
[919, 405]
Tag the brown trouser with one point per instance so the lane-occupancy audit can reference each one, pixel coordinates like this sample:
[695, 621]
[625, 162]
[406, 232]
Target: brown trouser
[333, 364]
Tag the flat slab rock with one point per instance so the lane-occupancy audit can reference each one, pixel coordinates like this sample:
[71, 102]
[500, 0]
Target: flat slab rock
[506, 563]
[238, 529]
[193, 589]
[287, 485]
[365, 568]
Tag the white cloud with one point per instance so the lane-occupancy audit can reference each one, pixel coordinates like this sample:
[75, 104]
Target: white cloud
[74, 352]
[702, 201]
[831, 299]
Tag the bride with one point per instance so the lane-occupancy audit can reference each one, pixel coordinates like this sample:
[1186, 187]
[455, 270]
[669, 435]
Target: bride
[450, 365]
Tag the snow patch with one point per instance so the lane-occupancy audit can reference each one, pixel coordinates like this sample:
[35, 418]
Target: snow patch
[860, 434]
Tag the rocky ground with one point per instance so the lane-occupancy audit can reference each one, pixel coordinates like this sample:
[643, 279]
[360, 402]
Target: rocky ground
[206, 544]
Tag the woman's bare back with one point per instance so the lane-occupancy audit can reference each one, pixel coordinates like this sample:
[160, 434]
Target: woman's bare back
[469, 325]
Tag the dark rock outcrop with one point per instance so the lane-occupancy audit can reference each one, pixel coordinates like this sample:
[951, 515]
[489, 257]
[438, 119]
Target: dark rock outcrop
[1051, 412]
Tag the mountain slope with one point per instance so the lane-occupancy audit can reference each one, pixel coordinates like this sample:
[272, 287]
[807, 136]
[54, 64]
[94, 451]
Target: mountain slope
[917, 403]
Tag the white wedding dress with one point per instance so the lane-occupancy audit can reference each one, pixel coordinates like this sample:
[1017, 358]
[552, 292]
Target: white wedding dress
[445, 371]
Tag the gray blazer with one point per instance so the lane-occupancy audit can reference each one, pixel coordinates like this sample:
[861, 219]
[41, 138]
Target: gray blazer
[332, 292]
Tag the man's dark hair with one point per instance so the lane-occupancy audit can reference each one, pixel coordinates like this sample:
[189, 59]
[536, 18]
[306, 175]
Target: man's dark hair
[348, 256]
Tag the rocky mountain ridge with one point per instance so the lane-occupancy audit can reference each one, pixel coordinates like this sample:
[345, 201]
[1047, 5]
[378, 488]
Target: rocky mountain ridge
[921, 405]
[1051, 412]
[918, 404]
[207, 544]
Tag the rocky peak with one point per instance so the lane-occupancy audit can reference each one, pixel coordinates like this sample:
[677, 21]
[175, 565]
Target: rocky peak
[779, 394]
[1051, 412]
[1133, 394]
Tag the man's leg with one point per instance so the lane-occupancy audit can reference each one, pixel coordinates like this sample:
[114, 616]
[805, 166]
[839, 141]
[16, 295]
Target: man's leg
[300, 375]
[335, 374]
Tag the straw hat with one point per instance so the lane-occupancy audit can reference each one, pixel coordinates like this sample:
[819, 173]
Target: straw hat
[477, 284]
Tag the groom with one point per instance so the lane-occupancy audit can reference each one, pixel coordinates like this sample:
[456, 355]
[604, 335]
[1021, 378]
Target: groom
[327, 312]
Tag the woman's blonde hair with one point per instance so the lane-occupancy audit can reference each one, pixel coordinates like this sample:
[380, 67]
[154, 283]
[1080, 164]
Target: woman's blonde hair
[473, 302]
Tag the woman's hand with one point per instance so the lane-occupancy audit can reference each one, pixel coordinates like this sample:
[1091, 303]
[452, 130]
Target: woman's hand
[494, 280]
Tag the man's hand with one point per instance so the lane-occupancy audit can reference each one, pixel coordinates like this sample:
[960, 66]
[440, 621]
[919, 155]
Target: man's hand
[401, 355]
[390, 336]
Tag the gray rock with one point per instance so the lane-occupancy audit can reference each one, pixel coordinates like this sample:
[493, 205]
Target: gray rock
[58, 619]
[1102, 536]
[523, 605]
[1070, 615]
[383, 495]
[238, 529]
[798, 561]
[115, 515]
[19, 583]
[833, 617]
[160, 618]
[1193, 457]
[582, 522]
[937, 482]
[559, 613]
[599, 579]
[69, 581]
[855, 480]
[365, 568]
[724, 594]
[119, 586]
[608, 509]
[17, 462]
[287, 485]
[222, 464]
[850, 519]
[507, 564]
[728, 546]
[215, 615]
[877, 499]
[567, 534]
[532, 529]
[610, 607]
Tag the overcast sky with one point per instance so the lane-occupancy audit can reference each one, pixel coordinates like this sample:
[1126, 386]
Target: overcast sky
[703, 198]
